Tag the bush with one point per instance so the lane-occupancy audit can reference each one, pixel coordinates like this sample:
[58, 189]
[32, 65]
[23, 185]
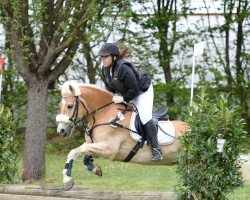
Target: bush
[8, 147]
[212, 175]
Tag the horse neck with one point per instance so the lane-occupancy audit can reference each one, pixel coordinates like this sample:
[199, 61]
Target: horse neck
[95, 97]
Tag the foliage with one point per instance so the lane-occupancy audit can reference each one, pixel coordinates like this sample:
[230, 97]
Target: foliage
[212, 175]
[14, 93]
[61, 145]
[182, 95]
[8, 147]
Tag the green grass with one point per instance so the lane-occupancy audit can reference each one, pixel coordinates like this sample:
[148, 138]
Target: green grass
[116, 175]
[120, 176]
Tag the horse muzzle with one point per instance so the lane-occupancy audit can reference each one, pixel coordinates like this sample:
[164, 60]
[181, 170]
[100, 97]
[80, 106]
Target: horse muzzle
[64, 127]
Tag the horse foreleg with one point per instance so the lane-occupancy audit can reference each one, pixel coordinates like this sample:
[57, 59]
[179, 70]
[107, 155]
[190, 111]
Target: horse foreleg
[101, 149]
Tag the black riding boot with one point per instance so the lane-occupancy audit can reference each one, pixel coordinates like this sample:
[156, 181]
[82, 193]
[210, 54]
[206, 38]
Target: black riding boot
[150, 129]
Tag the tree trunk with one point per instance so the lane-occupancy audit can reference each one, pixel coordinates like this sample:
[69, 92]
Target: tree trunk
[168, 78]
[240, 73]
[35, 135]
[91, 71]
[228, 21]
[166, 25]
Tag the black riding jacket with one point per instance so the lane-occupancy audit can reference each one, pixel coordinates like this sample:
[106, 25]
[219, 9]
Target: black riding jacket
[123, 80]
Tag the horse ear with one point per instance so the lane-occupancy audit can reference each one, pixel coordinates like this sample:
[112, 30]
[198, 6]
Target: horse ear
[71, 88]
[59, 87]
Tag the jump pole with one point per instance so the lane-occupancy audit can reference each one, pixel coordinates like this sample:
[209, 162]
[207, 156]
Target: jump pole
[1, 74]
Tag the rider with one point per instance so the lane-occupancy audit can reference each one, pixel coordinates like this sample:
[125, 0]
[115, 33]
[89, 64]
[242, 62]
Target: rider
[121, 79]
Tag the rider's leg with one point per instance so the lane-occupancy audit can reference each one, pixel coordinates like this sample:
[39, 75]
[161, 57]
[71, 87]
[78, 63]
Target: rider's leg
[144, 105]
[150, 129]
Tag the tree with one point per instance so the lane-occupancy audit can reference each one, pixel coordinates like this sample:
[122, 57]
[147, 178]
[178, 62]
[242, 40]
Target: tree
[234, 58]
[166, 41]
[44, 37]
[98, 31]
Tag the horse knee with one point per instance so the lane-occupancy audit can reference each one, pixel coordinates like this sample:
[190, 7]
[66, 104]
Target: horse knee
[72, 154]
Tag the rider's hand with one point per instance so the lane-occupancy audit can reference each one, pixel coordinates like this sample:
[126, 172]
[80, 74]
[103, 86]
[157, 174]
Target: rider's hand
[117, 99]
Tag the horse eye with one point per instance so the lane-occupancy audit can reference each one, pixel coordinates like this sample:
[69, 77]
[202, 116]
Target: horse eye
[70, 106]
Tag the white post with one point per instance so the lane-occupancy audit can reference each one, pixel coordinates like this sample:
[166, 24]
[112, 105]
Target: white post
[198, 50]
[192, 85]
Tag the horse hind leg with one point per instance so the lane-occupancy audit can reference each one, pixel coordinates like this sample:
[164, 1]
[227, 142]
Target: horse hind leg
[88, 161]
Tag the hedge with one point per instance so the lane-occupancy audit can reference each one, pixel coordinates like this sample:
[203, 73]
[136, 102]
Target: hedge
[205, 173]
[8, 147]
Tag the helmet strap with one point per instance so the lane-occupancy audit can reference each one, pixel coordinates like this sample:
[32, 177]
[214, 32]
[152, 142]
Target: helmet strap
[113, 59]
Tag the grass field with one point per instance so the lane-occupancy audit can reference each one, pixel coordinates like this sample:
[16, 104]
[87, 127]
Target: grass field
[121, 176]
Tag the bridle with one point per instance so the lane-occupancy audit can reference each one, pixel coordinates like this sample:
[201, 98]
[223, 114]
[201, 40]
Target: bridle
[74, 116]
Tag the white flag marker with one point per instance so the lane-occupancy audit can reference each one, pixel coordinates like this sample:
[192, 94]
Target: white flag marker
[198, 50]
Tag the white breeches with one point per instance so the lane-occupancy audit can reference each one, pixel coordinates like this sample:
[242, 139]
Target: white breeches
[144, 104]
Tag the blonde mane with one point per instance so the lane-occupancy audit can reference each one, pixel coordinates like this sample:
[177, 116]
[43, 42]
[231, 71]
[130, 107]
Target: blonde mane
[76, 85]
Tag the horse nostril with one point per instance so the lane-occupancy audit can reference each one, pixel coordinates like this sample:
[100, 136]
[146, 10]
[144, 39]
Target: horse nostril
[62, 131]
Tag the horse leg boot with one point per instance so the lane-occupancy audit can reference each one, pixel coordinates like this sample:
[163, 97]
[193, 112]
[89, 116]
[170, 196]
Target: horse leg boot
[150, 129]
[88, 161]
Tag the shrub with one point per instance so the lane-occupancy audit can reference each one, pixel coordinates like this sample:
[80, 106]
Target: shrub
[212, 175]
[8, 147]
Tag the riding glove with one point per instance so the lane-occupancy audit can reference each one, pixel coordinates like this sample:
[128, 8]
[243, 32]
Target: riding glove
[117, 99]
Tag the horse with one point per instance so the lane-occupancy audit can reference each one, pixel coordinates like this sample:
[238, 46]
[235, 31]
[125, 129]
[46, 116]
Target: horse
[93, 105]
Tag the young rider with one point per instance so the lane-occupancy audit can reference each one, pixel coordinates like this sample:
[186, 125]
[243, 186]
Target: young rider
[121, 78]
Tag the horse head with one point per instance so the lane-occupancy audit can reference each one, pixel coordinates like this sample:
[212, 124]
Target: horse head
[72, 108]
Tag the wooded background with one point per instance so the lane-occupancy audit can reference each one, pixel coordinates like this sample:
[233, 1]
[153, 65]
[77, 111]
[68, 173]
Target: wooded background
[46, 41]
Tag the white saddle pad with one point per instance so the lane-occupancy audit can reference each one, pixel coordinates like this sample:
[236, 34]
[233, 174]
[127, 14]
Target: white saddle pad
[163, 139]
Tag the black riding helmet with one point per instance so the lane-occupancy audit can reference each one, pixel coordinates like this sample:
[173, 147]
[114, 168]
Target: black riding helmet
[109, 49]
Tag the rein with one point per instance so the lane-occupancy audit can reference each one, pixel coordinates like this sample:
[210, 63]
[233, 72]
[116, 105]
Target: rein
[74, 116]
[89, 131]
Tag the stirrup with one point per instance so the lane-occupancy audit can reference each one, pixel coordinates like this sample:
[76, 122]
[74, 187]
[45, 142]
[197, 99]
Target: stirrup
[156, 154]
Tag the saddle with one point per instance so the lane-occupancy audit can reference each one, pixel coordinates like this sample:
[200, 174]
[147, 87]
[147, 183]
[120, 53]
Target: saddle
[160, 114]
[166, 131]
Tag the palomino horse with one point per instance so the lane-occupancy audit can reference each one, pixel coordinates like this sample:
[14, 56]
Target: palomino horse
[94, 104]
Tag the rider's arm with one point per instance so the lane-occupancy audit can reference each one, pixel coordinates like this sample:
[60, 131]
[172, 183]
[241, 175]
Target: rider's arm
[127, 76]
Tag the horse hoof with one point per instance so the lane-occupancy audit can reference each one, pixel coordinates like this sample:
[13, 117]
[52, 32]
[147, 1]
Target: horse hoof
[68, 185]
[97, 170]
